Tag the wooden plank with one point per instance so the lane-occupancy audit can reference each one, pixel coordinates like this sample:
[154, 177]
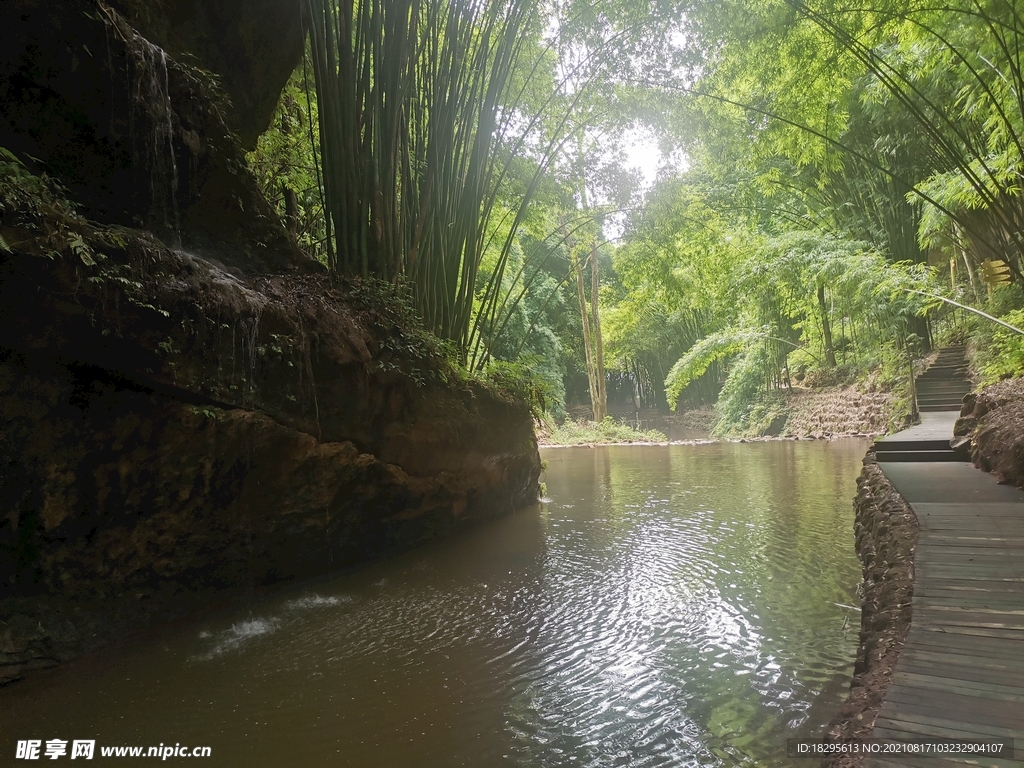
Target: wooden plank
[1009, 635]
[975, 539]
[966, 620]
[922, 586]
[965, 672]
[961, 658]
[962, 553]
[929, 682]
[1007, 558]
[949, 527]
[943, 727]
[991, 508]
[967, 645]
[989, 601]
[990, 573]
[973, 560]
[975, 711]
[926, 605]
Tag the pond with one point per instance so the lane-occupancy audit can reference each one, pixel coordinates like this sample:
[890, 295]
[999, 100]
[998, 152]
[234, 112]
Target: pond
[666, 606]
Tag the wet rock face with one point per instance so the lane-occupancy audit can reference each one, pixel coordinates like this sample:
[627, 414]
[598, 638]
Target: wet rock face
[165, 419]
[170, 429]
[127, 489]
[188, 404]
[251, 45]
[136, 138]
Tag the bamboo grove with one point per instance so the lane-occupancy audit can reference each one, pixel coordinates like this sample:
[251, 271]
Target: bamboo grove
[829, 161]
[424, 108]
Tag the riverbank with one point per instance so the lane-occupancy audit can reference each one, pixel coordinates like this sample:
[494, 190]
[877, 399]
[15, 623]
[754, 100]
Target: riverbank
[992, 423]
[886, 532]
[823, 413]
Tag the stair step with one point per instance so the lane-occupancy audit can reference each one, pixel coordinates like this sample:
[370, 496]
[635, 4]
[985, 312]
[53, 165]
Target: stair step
[947, 455]
[942, 388]
[890, 446]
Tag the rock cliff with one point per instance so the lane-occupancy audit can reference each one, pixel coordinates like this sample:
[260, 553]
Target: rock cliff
[188, 404]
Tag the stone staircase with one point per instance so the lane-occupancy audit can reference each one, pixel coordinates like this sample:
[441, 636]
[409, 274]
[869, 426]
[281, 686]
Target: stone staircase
[942, 387]
[940, 392]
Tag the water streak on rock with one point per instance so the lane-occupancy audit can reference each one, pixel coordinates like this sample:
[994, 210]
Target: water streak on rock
[152, 125]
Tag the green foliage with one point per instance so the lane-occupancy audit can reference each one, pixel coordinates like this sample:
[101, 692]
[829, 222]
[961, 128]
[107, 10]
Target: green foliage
[285, 162]
[694, 363]
[756, 301]
[33, 196]
[607, 431]
[38, 206]
[999, 352]
[1004, 353]
[517, 383]
[746, 380]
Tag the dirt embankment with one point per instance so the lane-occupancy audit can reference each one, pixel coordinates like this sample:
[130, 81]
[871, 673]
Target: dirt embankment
[838, 412]
[819, 413]
[886, 536]
[993, 421]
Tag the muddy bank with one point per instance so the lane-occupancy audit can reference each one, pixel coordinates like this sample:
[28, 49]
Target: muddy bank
[886, 536]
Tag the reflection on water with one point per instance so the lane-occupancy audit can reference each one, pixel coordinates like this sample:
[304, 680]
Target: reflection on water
[670, 606]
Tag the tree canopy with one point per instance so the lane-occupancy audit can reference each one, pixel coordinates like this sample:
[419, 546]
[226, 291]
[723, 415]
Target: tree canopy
[821, 164]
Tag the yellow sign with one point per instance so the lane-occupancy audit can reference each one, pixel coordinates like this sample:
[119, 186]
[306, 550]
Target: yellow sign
[995, 272]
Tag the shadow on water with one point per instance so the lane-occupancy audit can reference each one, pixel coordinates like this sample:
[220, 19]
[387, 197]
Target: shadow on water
[669, 606]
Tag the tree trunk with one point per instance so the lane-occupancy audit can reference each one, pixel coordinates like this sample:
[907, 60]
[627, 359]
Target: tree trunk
[581, 292]
[826, 328]
[291, 211]
[601, 404]
[919, 327]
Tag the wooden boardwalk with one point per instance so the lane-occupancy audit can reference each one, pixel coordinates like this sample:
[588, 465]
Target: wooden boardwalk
[961, 672]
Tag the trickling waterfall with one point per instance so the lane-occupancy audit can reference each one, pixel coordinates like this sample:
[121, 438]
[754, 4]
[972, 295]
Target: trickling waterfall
[153, 133]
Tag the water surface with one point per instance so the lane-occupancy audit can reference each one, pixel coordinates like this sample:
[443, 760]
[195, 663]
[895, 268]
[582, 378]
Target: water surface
[670, 606]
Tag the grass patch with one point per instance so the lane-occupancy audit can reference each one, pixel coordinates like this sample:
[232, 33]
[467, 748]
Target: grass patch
[608, 431]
